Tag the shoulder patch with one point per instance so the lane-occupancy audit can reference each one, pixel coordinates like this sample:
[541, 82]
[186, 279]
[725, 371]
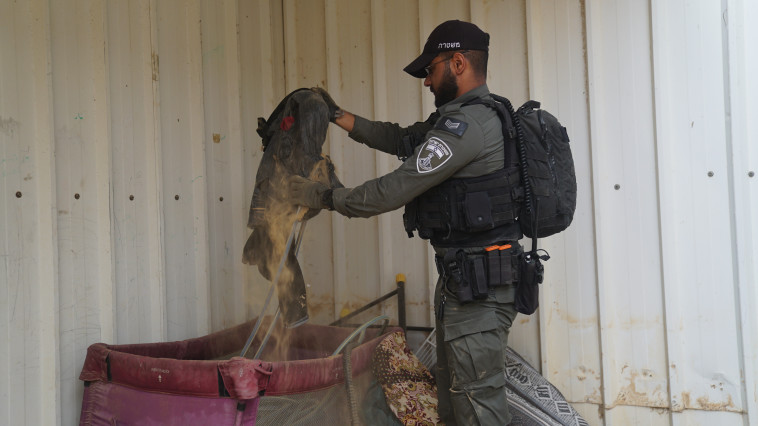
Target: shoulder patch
[451, 125]
[433, 154]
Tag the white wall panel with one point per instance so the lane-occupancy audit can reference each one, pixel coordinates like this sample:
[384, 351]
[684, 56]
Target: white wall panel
[29, 364]
[83, 187]
[227, 207]
[631, 309]
[571, 356]
[136, 158]
[146, 109]
[741, 134]
[185, 178]
[697, 239]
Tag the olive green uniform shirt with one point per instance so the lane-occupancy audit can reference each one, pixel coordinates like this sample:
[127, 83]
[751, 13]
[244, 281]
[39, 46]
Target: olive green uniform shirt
[466, 141]
[443, 155]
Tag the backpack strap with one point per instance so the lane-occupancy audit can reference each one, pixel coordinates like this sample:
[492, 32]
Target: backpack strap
[509, 132]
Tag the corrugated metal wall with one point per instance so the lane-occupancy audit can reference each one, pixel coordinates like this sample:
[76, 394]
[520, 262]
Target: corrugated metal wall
[128, 154]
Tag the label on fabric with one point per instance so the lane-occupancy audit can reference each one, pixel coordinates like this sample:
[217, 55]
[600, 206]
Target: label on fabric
[451, 125]
[433, 154]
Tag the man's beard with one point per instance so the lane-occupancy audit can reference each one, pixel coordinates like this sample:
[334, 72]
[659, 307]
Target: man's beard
[447, 89]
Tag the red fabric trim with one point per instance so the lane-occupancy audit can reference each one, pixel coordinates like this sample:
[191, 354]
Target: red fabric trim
[244, 378]
[95, 367]
[187, 367]
[187, 377]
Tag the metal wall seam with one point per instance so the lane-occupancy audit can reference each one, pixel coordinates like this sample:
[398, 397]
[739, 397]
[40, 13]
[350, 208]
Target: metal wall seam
[534, 16]
[261, 52]
[224, 162]
[155, 202]
[381, 160]
[238, 201]
[591, 17]
[569, 331]
[139, 307]
[334, 85]
[185, 217]
[199, 188]
[83, 177]
[741, 35]
[46, 223]
[632, 336]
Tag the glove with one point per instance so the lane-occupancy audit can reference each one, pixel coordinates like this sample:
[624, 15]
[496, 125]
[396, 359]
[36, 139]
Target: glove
[334, 111]
[307, 193]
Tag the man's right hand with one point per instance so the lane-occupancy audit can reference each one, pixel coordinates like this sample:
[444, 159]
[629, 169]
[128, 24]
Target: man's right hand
[334, 110]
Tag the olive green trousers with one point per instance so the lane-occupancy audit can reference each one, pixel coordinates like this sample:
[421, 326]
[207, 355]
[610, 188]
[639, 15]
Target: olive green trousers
[471, 342]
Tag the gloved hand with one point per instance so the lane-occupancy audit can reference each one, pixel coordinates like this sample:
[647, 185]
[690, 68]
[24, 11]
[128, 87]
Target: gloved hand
[307, 193]
[334, 110]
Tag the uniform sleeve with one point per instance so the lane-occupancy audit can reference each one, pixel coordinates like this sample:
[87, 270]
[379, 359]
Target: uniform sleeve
[388, 137]
[434, 161]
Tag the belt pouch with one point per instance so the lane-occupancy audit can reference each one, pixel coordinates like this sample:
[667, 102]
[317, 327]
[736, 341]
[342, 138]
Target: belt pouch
[477, 277]
[493, 266]
[455, 264]
[527, 292]
[506, 266]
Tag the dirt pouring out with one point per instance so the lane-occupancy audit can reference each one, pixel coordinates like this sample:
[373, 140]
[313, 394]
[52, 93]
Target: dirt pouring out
[293, 137]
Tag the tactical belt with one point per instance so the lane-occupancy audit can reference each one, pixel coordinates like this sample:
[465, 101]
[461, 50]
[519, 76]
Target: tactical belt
[472, 275]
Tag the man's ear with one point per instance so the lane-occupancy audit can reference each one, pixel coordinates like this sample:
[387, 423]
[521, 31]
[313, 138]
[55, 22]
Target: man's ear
[458, 63]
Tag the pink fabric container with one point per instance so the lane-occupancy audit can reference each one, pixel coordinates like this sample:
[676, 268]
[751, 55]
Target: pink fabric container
[196, 382]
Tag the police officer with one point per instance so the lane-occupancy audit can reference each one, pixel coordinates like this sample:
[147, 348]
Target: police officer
[459, 185]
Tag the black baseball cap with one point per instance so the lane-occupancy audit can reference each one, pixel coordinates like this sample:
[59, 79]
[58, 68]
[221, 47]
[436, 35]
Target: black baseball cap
[448, 36]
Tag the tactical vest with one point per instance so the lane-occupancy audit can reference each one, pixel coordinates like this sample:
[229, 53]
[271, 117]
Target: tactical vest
[469, 212]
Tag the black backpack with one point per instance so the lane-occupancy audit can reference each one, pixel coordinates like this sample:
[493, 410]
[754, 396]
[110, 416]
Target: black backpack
[546, 166]
[549, 182]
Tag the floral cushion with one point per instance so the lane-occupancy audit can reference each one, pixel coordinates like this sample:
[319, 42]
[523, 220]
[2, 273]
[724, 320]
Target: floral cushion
[408, 386]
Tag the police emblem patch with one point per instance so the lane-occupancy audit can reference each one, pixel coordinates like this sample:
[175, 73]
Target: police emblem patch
[432, 155]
